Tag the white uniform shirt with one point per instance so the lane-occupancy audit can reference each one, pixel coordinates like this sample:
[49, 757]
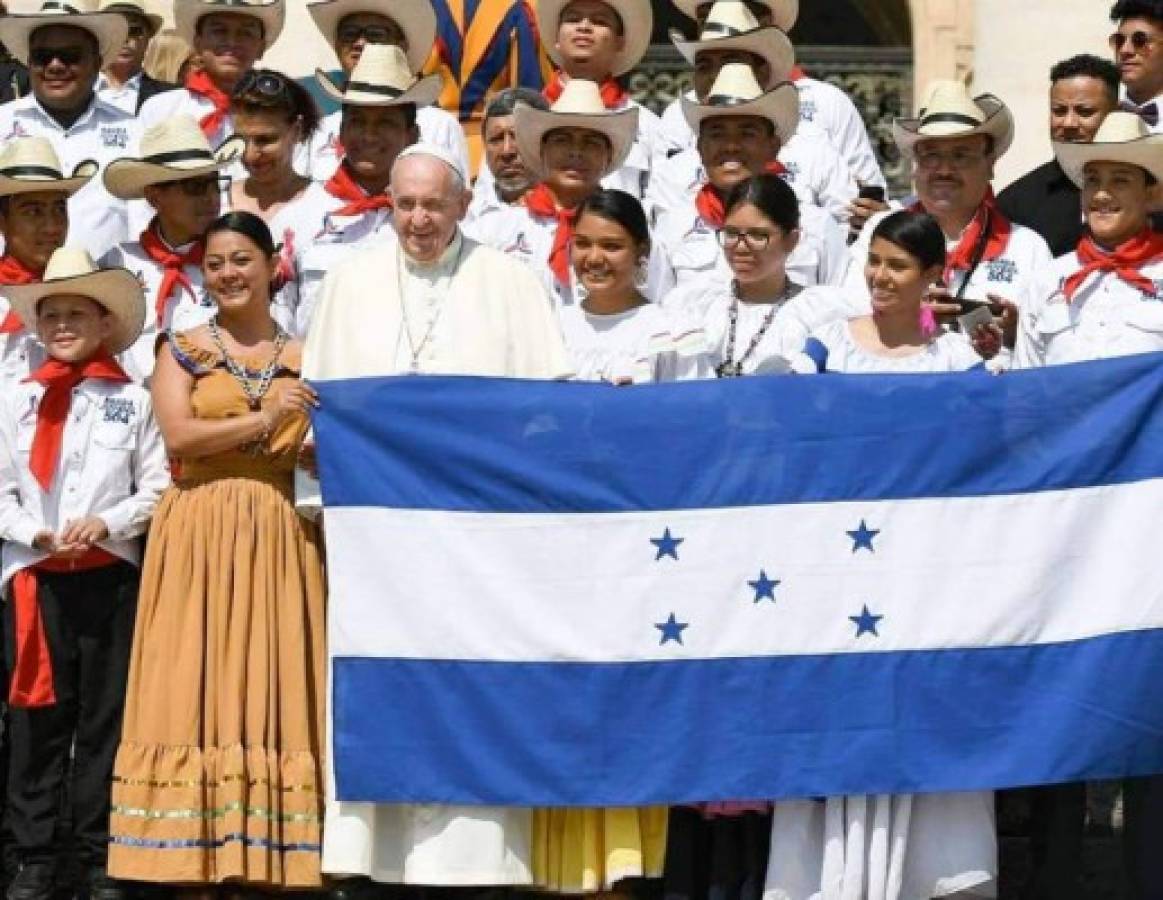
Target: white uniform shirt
[112, 465]
[124, 96]
[181, 102]
[643, 345]
[20, 353]
[97, 220]
[485, 206]
[320, 157]
[1107, 316]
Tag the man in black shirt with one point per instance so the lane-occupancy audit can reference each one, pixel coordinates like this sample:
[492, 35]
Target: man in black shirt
[1083, 90]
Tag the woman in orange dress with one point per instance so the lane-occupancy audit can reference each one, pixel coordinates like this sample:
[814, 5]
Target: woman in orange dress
[218, 777]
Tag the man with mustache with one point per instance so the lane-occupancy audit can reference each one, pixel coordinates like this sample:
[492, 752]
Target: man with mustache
[511, 178]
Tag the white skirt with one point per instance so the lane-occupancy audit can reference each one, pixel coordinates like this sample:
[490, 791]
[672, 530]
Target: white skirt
[883, 847]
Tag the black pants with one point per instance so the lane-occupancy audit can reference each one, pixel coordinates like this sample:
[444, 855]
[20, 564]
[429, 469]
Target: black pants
[1057, 820]
[1143, 837]
[88, 620]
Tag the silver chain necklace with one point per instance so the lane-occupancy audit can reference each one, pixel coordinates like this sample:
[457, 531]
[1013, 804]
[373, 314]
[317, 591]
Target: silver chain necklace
[730, 367]
[254, 388]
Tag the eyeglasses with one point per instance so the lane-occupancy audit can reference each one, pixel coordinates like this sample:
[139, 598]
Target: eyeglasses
[267, 84]
[372, 34]
[1139, 41]
[40, 57]
[958, 159]
[198, 187]
[756, 238]
[136, 31]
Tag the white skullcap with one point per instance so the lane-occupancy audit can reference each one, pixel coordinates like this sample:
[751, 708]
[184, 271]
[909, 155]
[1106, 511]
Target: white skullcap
[424, 148]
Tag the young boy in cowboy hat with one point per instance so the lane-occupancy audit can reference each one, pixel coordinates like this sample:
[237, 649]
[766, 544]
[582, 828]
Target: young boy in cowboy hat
[64, 45]
[82, 466]
[179, 176]
[34, 222]
[352, 25]
[122, 82]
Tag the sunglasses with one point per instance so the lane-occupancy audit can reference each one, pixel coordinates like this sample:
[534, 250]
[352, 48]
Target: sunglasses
[136, 31]
[40, 57]
[267, 84]
[1139, 41]
[372, 34]
[197, 187]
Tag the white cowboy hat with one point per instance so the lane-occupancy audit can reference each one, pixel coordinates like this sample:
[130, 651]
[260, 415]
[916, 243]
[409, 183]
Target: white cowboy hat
[109, 28]
[637, 25]
[416, 19]
[579, 106]
[172, 150]
[783, 12]
[382, 77]
[29, 165]
[1123, 137]
[736, 92]
[271, 13]
[949, 112]
[156, 21]
[71, 270]
[731, 26]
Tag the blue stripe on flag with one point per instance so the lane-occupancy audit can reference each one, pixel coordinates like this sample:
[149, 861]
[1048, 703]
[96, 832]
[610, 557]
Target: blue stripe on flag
[501, 445]
[645, 733]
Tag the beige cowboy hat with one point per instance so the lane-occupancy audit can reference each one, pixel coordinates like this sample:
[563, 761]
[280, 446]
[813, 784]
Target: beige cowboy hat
[271, 13]
[1123, 137]
[30, 164]
[783, 12]
[579, 106]
[109, 28]
[172, 150]
[416, 19]
[382, 77]
[71, 270]
[736, 92]
[731, 26]
[637, 25]
[949, 112]
[156, 20]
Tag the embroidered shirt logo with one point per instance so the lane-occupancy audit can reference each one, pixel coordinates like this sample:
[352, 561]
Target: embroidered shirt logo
[119, 409]
[791, 172]
[807, 110]
[115, 136]
[1158, 295]
[519, 246]
[1003, 270]
[16, 132]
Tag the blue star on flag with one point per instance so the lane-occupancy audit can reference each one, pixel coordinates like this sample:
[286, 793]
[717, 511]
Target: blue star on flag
[866, 622]
[862, 537]
[764, 587]
[671, 629]
[667, 545]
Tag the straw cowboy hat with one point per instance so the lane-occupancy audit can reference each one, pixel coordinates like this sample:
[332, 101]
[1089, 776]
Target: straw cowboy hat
[736, 92]
[579, 106]
[416, 18]
[173, 150]
[382, 77]
[637, 25]
[71, 270]
[949, 112]
[783, 12]
[109, 28]
[731, 26]
[271, 13]
[29, 165]
[1123, 137]
[155, 20]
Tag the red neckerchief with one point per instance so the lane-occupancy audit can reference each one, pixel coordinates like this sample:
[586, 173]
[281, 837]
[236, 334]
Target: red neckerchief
[173, 263]
[59, 379]
[202, 85]
[1000, 229]
[709, 202]
[1126, 261]
[539, 201]
[343, 186]
[13, 271]
[613, 94]
[796, 74]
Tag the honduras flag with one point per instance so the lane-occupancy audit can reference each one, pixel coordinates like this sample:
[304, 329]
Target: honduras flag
[553, 594]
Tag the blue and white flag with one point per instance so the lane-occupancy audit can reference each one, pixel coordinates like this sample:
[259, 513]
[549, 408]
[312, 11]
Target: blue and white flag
[553, 594]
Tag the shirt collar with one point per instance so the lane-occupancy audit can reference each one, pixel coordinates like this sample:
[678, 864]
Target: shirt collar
[96, 107]
[104, 84]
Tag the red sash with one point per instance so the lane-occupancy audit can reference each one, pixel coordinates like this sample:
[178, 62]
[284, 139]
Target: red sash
[13, 271]
[539, 201]
[1126, 261]
[173, 263]
[961, 259]
[343, 187]
[709, 202]
[202, 85]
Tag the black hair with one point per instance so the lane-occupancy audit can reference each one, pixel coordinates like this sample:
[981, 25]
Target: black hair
[917, 233]
[408, 109]
[248, 225]
[1137, 9]
[1087, 65]
[621, 207]
[291, 100]
[505, 102]
[771, 195]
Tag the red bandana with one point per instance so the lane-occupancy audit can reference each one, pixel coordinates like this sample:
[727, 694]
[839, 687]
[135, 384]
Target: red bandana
[796, 74]
[12, 271]
[173, 263]
[613, 94]
[539, 201]
[1126, 262]
[998, 238]
[343, 187]
[709, 202]
[202, 85]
